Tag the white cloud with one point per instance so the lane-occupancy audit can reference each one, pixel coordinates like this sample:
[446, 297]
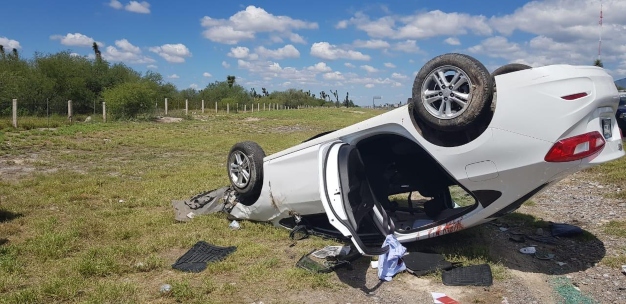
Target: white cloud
[295, 38]
[421, 25]
[193, 86]
[9, 43]
[329, 51]
[396, 85]
[333, 76]
[175, 53]
[288, 51]
[369, 85]
[242, 52]
[126, 52]
[274, 71]
[132, 6]
[452, 41]
[116, 4]
[371, 44]
[319, 67]
[225, 64]
[76, 39]
[152, 66]
[138, 7]
[207, 74]
[173, 76]
[342, 24]
[245, 24]
[398, 76]
[408, 46]
[348, 64]
[369, 68]
[72, 54]
[124, 45]
[390, 65]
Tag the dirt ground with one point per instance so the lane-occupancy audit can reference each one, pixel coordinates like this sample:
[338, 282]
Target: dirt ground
[580, 278]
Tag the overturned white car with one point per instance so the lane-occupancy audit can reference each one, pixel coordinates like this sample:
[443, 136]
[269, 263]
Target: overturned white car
[501, 137]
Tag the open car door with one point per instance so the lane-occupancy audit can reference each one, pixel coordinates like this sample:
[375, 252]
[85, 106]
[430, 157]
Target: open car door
[347, 196]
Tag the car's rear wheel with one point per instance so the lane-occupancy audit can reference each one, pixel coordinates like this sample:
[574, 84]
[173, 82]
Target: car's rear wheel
[245, 171]
[452, 92]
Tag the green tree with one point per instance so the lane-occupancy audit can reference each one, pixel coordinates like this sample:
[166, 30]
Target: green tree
[231, 80]
[598, 63]
[129, 100]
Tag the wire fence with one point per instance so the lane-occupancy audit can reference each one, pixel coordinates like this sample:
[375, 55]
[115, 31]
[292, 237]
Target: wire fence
[29, 114]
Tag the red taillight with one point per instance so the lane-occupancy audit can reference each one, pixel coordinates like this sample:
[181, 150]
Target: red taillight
[575, 148]
[575, 96]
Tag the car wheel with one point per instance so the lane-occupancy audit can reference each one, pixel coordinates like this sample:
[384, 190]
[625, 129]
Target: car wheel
[452, 92]
[509, 68]
[245, 171]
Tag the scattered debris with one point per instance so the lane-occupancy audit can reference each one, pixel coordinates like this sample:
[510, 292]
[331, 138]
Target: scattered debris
[442, 298]
[374, 264]
[543, 239]
[191, 215]
[517, 238]
[539, 231]
[544, 255]
[503, 229]
[121, 201]
[390, 263]
[331, 251]
[165, 288]
[564, 230]
[528, 250]
[196, 259]
[422, 263]
[475, 275]
[234, 225]
[325, 266]
[561, 263]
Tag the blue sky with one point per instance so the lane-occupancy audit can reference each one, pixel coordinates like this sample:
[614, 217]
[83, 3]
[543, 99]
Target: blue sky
[361, 47]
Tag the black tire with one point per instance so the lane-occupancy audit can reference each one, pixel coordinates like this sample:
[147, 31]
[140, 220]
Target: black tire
[509, 68]
[251, 156]
[479, 92]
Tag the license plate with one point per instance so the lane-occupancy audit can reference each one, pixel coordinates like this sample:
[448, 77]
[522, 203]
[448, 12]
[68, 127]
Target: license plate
[606, 128]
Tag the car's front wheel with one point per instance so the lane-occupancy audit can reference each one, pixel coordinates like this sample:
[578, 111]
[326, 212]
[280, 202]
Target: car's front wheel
[452, 92]
[245, 171]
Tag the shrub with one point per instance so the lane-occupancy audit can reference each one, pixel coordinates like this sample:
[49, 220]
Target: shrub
[128, 100]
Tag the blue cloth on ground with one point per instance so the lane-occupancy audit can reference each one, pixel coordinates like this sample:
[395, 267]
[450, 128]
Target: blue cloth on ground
[390, 263]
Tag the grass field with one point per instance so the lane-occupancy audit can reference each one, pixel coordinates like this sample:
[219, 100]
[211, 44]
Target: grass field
[85, 212]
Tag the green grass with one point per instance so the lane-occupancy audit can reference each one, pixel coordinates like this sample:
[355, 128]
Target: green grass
[89, 219]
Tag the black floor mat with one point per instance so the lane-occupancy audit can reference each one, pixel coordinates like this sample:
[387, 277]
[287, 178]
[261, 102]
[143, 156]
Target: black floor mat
[475, 275]
[423, 263]
[196, 259]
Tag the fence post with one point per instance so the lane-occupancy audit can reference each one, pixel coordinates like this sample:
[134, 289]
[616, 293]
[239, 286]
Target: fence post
[263, 106]
[15, 113]
[216, 107]
[227, 108]
[104, 111]
[69, 110]
[186, 107]
[165, 106]
[258, 107]
[245, 108]
[252, 108]
[202, 106]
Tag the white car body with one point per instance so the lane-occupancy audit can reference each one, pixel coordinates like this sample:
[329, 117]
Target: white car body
[501, 168]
